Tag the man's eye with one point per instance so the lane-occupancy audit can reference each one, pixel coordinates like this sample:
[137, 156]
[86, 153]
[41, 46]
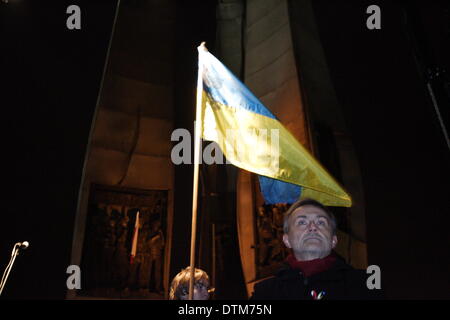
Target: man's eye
[302, 222]
[321, 223]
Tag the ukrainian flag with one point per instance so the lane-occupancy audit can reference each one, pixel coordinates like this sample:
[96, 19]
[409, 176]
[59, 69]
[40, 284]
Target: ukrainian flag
[253, 139]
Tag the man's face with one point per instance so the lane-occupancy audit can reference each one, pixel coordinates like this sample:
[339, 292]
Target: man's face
[310, 233]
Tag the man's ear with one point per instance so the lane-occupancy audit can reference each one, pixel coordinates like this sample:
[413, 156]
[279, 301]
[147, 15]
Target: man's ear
[334, 242]
[286, 241]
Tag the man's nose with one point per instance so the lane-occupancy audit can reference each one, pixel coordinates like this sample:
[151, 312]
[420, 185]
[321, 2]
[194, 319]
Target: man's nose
[312, 226]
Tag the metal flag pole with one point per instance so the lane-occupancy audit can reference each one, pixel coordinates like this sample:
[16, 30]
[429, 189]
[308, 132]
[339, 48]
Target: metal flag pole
[197, 135]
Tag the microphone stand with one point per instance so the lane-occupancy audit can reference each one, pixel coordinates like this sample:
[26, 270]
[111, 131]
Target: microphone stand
[14, 254]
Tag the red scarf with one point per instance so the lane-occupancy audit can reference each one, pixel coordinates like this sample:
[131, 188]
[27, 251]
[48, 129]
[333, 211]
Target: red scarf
[313, 266]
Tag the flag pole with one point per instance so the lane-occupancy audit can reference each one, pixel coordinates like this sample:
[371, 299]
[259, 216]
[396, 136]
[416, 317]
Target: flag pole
[197, 140]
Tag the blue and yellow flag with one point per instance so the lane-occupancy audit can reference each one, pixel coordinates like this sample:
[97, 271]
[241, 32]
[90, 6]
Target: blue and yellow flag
[253, 139]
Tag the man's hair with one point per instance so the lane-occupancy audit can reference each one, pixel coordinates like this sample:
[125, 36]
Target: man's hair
[308, 202]
[180, 283]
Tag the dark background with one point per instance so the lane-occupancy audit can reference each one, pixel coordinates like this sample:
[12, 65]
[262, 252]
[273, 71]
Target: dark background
[377, 75]
[50, 81]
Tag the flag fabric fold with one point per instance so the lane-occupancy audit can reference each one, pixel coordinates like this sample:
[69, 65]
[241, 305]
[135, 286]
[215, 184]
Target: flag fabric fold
[252, 138]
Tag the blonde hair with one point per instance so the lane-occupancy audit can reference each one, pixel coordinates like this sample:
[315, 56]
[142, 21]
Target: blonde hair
[180, 283]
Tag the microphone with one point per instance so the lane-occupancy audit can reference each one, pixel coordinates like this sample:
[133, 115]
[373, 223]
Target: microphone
[14, 254]
[23, 245]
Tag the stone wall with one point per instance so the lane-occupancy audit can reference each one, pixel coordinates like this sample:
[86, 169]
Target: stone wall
[130, 141]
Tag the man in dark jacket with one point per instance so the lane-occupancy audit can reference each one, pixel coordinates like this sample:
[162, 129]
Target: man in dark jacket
[313, 271]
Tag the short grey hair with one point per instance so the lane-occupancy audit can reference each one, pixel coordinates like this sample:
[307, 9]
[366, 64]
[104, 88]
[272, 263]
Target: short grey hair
[308, 202]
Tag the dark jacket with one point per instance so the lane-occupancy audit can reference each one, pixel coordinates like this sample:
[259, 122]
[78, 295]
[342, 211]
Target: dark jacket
[340, 282]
